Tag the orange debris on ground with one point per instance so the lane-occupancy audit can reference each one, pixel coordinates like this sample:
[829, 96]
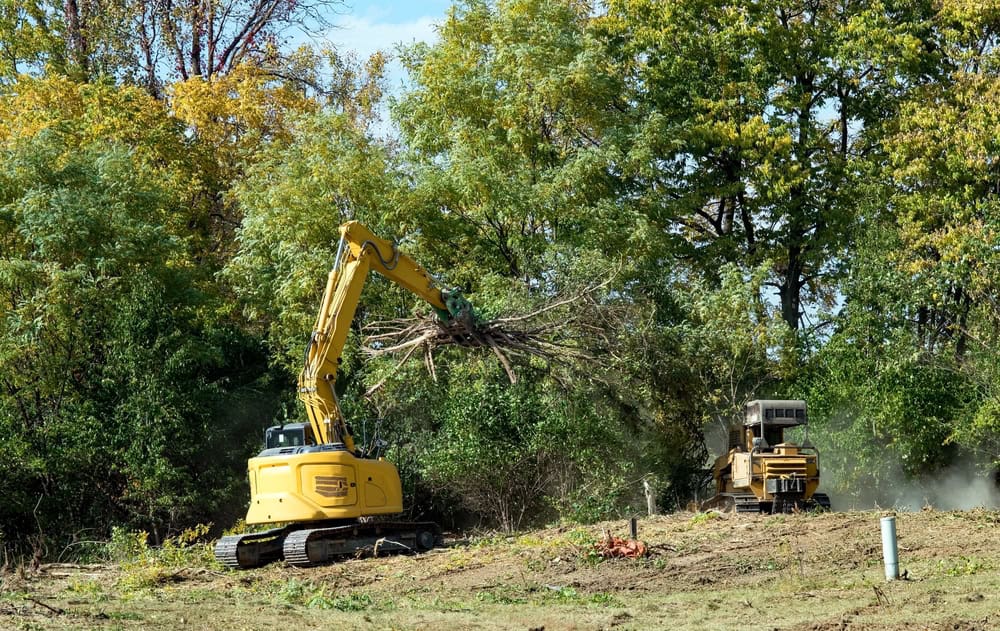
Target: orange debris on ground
[618, 548]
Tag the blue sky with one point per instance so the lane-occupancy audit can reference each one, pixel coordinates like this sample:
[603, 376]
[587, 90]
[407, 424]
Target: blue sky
[365, 26]
[369, 25]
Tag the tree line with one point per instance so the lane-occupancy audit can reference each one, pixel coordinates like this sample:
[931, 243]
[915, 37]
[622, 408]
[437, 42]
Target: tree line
[777, 198]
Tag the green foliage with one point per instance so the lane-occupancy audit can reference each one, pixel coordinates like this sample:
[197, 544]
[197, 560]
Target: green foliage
[775, 200]
[113, 361]
[503, 129]
[962, 566]
[702, 518]
[736, 344]
[127, 545]
[730, 141]
[305, 593]
[28, 43]
[294, 203]
[503, 449]
[144, 566]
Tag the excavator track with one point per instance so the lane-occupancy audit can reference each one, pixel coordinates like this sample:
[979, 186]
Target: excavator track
[315, 546]
[747, 504]
[250, 550]
[735, 502]
[822, 500]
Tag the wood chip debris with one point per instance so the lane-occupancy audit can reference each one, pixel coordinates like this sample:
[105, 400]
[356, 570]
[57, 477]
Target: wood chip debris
[612, 547]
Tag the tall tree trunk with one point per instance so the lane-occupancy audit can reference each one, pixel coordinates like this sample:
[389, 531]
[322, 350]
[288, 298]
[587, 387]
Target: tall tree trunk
[791, 288]
[77, 41]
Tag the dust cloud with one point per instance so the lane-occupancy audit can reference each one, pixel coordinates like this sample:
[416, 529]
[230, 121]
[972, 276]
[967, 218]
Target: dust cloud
[952, 488]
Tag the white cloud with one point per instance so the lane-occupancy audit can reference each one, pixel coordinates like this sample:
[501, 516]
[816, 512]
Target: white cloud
[365, 35]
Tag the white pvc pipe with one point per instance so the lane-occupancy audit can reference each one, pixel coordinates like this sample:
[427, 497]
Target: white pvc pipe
[889, 552]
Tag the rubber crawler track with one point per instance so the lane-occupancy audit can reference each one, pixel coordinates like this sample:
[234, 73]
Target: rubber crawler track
[356, 537]
[267, 543]
[291, 543]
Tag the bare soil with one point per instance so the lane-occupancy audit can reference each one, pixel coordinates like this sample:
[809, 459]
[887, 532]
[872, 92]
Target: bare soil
[704, 571]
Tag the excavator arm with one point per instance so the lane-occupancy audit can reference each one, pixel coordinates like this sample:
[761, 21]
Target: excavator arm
[359, 252]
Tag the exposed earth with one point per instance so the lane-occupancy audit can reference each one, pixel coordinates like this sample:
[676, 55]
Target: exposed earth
[703, 571]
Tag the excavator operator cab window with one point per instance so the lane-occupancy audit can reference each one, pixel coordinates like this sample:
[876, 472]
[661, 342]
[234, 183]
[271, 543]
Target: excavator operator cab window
[293, 435]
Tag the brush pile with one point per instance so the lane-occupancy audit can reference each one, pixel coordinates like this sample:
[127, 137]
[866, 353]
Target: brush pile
[559, 331]
[612, 547]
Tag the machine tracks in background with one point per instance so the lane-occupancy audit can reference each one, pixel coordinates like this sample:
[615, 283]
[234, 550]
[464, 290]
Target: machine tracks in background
[748, 504]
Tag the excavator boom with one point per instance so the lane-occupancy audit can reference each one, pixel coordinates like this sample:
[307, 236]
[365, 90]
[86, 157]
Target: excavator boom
[359, 252]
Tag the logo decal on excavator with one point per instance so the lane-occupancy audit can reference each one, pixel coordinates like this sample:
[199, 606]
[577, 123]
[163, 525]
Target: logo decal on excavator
[331, 486]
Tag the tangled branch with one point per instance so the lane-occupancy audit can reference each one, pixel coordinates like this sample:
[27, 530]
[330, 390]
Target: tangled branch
[554, 332]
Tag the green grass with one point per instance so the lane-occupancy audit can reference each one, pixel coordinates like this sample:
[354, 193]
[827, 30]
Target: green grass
[715, 572]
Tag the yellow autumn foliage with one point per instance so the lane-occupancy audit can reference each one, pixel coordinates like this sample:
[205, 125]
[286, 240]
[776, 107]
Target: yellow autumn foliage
[235, 113]
[90, 112]
[101, 114]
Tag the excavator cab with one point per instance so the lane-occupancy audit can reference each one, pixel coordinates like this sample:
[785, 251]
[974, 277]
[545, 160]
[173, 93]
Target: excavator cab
[285, 439]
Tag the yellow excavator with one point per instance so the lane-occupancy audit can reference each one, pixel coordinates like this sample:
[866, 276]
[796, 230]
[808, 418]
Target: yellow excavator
[762, 472]
[332, 497]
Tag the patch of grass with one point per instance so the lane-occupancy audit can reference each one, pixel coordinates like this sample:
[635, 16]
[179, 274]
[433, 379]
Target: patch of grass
[307, 594]
[294, 592]
[137, 577]
[90, 589]
[703, 518]
[490, 540]
[356, 601]
[532, 541]
[14, 595]
[567, 595]
[535, 564]
[962, 566]
[603, 599]
[745, 565]
[580, 537]
[496, 597]
[462, 559]
[144, 567]
[200, 595]
[444, 604]
[561, 595]
[124, 615]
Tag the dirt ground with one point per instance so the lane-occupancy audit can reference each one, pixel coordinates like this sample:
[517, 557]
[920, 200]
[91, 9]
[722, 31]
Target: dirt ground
[703, 571]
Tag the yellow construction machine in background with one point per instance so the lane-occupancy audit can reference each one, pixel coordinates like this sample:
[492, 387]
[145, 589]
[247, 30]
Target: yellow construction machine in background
[762, 473]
